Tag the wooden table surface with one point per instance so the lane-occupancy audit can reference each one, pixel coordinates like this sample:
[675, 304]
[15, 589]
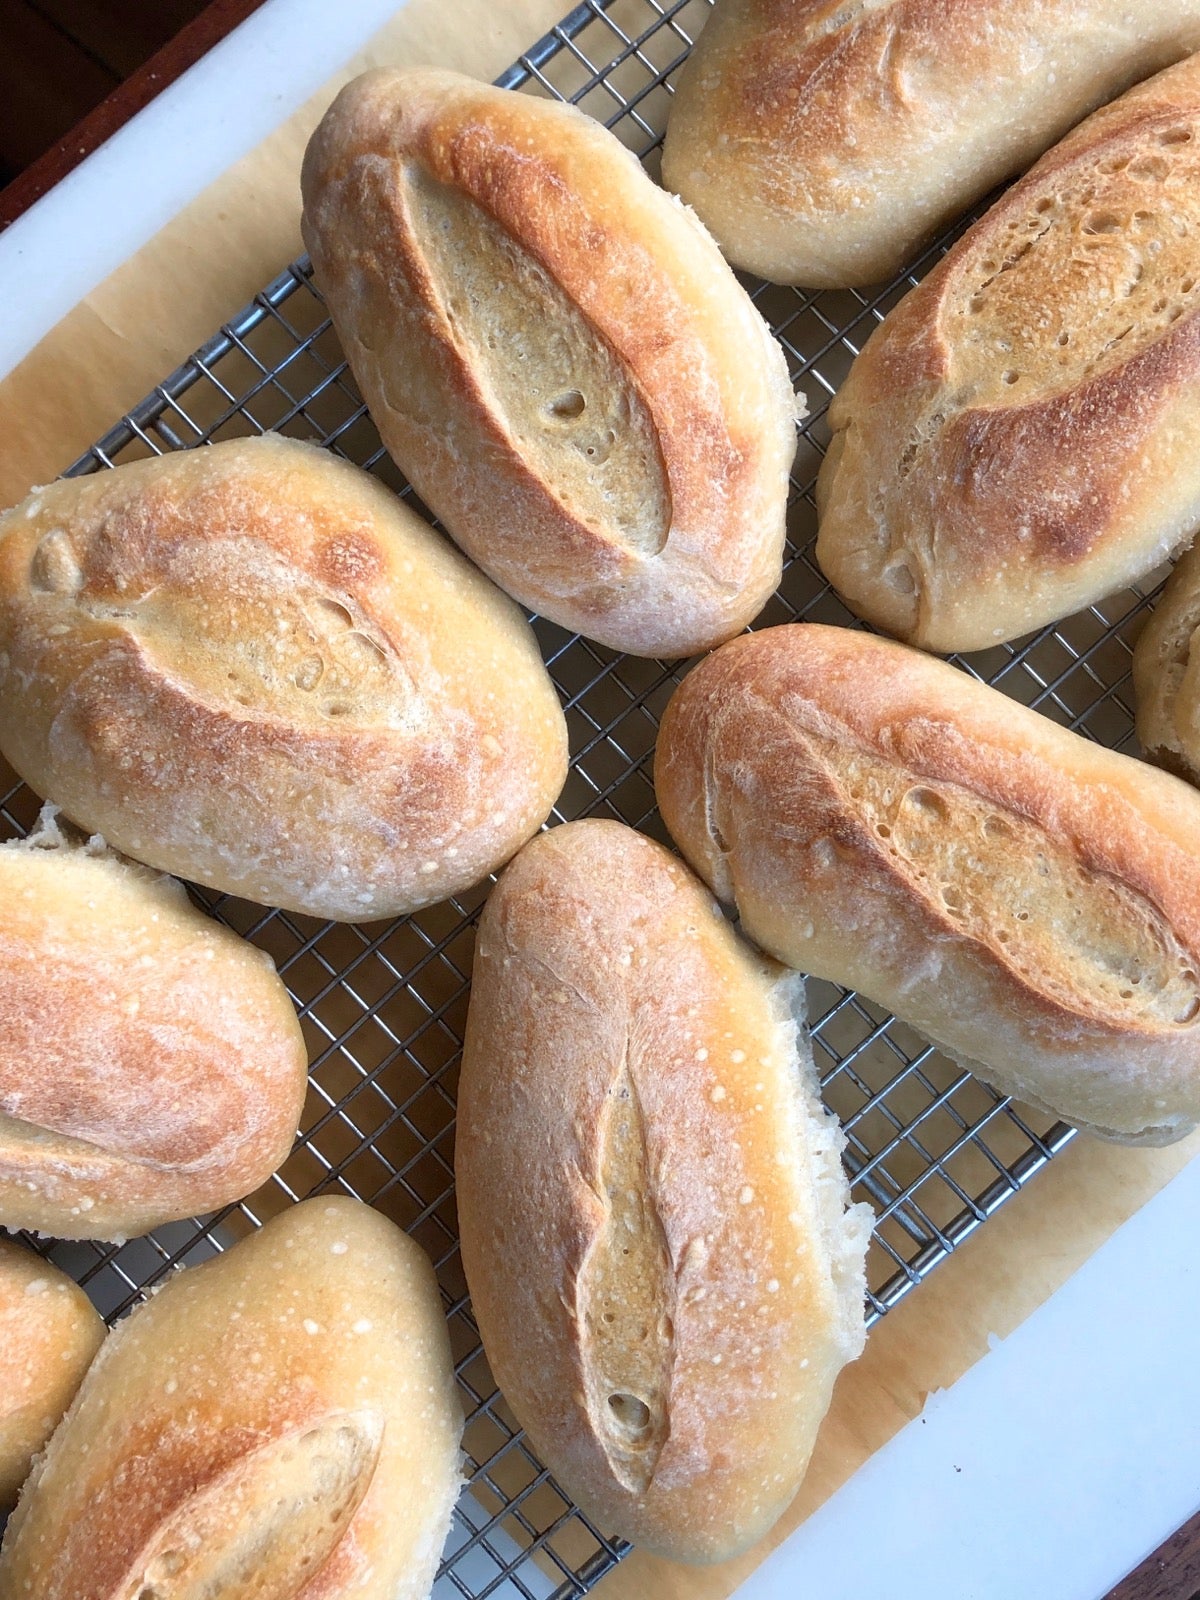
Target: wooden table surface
[74, 71]
[147, 317]
[1171, 1573]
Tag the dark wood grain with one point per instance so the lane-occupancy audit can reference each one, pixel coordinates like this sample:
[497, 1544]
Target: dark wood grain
[46, 83]
[219, 18]
[121, 34]
[1171, 1573]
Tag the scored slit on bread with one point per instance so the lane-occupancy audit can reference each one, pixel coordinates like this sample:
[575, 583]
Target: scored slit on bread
[825, 141]
[638, 1107]
[570, 405]
[253, 666]
[279, 1422]
[1028, 901]
[1020, 436]
[627, 1299]
[556, 355]
[151, 1063]
[268, 1523]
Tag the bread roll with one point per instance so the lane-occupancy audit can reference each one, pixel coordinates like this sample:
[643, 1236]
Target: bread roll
[652, 1206]
[557, 356]
[151, 1064]
[1026, 899]
[1166, 673]
[823, 143]
[277, 1424]
[1021, 436]
[250, 665]
[49, 1332]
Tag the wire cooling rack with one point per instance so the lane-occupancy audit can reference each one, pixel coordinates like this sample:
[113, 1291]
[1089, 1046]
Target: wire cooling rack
[383, 1006]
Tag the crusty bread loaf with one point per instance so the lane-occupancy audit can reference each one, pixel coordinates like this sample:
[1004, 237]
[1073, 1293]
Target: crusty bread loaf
[1166, 673]
[1021, 436]
[49, 1333]
[823, 142]
[652, 1206]
[278, 1422]
[1026, 899]
[252, 666]
[555, 353]
[151, 1064]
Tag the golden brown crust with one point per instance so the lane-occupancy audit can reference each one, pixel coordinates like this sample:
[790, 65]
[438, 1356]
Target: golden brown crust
[650, 1196]
[49, 1333]
[823, 142]
[287, 1406]
[1020, 437]
[251, 666]
[151, 1064]
[619, 315]
[1166, 673]
[1028, 900]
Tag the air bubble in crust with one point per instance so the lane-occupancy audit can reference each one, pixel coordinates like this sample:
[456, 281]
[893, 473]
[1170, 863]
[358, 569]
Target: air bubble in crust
[567, 406]
[900, 577]
[1155, 168]
[631, 1414]
[309, 673]
[927, 802]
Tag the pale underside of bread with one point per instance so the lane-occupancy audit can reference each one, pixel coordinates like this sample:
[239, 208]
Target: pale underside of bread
[1166, 673]
[49, 1333]
[651, 1199]
[824, 142]
[151, 1063]
[279, 1421]
[1021, 436]
[555, 353]
[252, 666]
[1022, 897]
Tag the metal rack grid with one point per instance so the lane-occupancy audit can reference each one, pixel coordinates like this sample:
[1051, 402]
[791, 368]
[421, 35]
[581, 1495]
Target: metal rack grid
[383, 1006]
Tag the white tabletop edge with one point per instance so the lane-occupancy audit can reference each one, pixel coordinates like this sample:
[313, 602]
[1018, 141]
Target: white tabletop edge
[71, 239]
[1051, 1468]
